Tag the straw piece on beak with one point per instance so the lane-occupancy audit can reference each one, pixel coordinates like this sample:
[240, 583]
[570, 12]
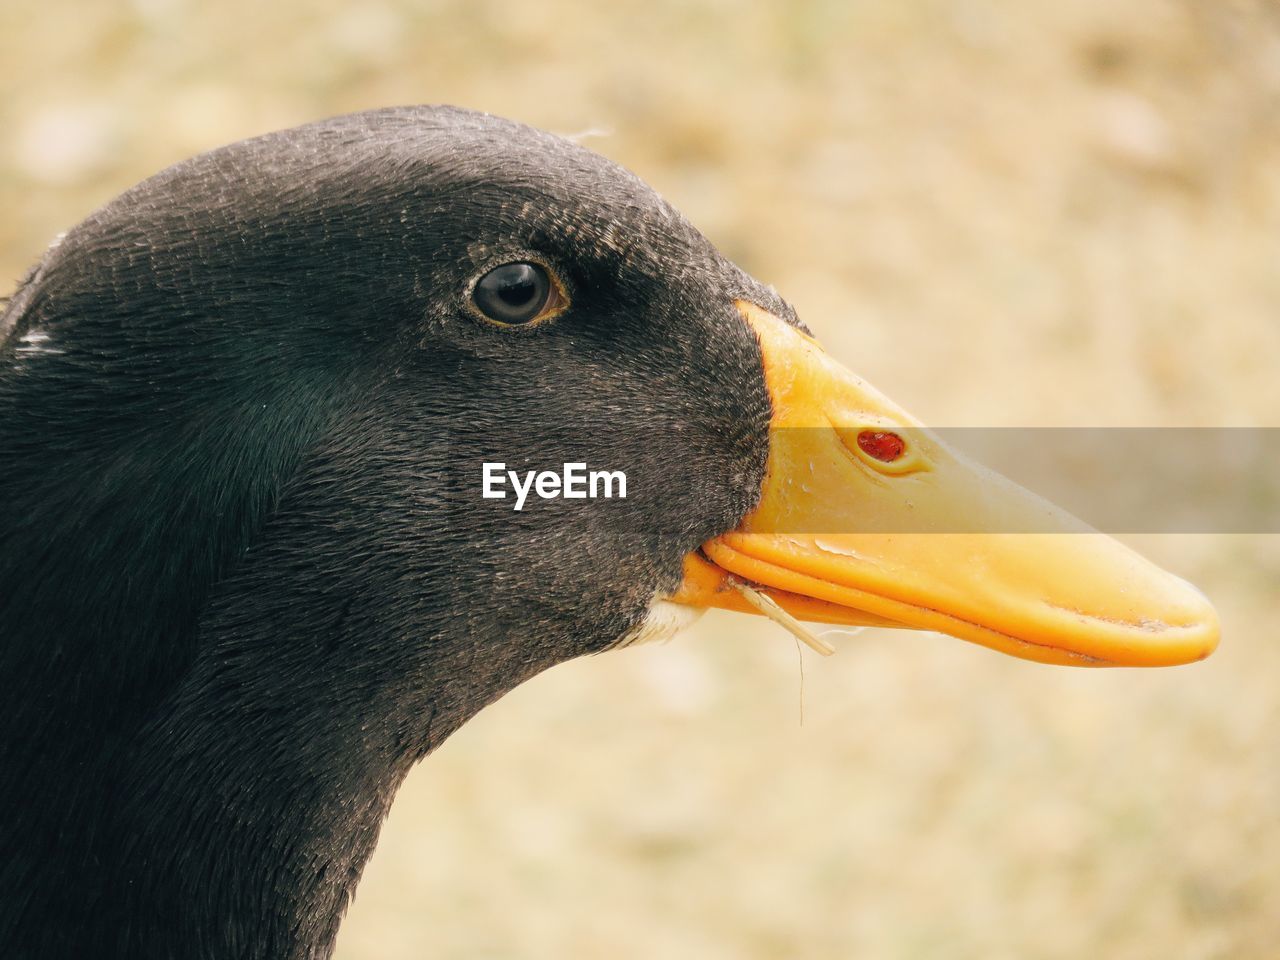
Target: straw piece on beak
[767, 606]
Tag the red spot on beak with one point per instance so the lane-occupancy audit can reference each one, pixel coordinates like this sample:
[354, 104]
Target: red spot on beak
[882, 446]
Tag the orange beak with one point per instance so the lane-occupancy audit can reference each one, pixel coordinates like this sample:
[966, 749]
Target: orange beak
[857, 524]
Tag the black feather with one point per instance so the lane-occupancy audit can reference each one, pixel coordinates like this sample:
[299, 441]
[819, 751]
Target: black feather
[247, 578]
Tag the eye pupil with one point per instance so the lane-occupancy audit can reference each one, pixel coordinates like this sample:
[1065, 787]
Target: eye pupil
[518, 289]
[513, 293]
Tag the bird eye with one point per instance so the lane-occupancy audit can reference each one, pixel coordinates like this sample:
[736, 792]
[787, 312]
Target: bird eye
[517, 293]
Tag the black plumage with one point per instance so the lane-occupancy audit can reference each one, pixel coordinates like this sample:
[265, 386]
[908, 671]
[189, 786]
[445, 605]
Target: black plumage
[247, 578]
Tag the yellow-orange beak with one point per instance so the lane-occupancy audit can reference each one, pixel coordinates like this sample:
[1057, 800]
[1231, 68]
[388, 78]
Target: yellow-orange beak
[858, 521]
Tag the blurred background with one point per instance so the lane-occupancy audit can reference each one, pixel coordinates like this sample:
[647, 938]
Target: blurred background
[1001, 213]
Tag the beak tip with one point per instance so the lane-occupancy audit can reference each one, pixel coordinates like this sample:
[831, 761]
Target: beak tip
[1194, 637]
[1203, 624]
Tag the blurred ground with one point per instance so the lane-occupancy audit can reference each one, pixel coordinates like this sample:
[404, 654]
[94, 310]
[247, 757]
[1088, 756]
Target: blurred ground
[1002, 214]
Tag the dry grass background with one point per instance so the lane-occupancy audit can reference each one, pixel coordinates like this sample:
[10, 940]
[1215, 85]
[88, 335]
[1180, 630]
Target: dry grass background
[1001, 213]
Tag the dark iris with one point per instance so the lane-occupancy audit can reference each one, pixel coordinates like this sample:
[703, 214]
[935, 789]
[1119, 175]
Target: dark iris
[513, 293]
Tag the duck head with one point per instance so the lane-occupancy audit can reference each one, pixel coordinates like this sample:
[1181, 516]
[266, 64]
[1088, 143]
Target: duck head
[256, 415]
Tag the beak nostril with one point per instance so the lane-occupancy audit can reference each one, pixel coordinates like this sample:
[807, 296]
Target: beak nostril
[881, 445]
